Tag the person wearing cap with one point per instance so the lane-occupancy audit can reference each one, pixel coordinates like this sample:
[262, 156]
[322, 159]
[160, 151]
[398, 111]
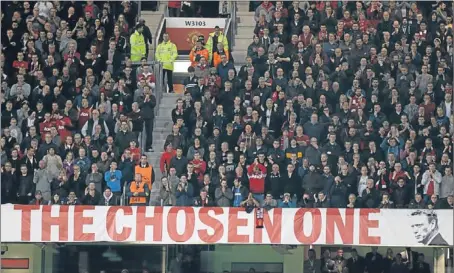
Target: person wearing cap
[138, 44]
[215, 37]
[167, 53]
[197, 53]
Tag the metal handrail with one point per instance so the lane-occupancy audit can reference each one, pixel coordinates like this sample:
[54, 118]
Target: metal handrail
[157, 37]
[123, 196]
[234, 23]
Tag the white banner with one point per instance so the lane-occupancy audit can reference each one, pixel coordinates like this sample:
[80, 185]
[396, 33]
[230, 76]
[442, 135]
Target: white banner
[188, 225]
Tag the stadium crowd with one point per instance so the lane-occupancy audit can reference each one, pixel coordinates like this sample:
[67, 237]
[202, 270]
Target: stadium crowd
[340, 104]
[73, 101]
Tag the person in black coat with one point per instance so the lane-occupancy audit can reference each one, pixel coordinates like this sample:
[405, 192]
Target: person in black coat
[291, 180]
[356, 264]
[374, 261]
[370, 196]
[398, 266]
[338, 194]
[321, 201]
[421, 266]
[108, 198]
[9, 184]
[26, 186]
[147, 103]
[92, 196]
[147, 35]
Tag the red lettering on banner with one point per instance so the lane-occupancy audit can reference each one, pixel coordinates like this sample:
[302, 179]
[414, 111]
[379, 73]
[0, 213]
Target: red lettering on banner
[172, 224]
[111, 224]
[298, 226]
[273, 228]
[80, 221]
[211, 222]
[26, 220]
[61, 220]
[142, 221]
[234, 223]
[334, 218]
[365, 224]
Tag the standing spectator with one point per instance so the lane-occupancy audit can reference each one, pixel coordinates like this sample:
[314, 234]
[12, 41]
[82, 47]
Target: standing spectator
[113, 179]
[147, 103]
[223, 195]
[26, 187]
[42, 179]
[167, 53]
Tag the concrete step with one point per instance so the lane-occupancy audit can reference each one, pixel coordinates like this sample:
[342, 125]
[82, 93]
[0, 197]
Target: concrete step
[165, 112]
[174, 95]
[244, 30]
[245, 13]
[163, 124]
[165, 101]
[246, 21]
[239, 56]
[242, 44]
[244, 36]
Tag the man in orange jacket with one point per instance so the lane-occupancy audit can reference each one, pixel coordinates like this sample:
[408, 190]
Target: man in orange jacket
[138, 191]
[197, 52]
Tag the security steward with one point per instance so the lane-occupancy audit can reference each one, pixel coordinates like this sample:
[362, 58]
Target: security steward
[145, 170]
[138, 191]
[215, 37]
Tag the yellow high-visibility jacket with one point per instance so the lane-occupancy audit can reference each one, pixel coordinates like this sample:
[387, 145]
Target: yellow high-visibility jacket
[138, 47]
[221, 39]
[166, 53]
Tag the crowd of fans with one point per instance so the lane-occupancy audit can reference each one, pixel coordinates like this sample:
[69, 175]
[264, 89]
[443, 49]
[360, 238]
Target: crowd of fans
[341, 104]
[73, 102]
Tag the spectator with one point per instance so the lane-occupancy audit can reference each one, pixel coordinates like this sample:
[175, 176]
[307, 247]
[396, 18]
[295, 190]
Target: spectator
[42, 179]
[223, 195]
[108, 198]
[92, 196]
[112, 177]
[96, 178]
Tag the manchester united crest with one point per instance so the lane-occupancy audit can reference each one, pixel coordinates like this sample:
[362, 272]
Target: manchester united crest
[192, 38]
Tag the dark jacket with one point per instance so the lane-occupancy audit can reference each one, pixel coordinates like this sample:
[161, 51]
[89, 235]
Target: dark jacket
[26, 185]
[147, 108]
[179, 164]
[91, 200]
[108, 201]
[338, 195]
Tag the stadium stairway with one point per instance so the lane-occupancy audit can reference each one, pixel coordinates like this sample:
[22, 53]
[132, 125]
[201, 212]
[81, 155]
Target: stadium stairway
[162, 128]
[245, 32]
[152, 20]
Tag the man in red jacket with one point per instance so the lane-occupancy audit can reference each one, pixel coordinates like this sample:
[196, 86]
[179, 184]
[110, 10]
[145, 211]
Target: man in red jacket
[257, 174]
[165, 159]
